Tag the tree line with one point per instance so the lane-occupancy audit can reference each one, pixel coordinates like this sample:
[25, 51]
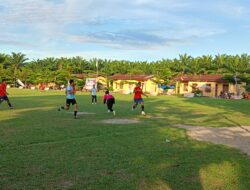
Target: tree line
[59, 70]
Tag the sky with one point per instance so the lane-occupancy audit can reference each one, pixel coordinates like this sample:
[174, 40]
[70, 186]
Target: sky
[136, 30]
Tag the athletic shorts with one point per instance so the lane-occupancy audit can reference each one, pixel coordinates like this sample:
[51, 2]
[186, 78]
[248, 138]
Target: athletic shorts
[138, 100]
[71, 101]
[2, 98]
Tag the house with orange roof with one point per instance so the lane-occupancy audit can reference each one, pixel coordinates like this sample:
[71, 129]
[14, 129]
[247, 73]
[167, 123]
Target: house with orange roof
[211, 85]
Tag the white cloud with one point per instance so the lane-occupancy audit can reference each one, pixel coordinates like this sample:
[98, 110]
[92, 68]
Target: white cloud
[35, 11]
[137, 24]
[126, 40]
[49, 19]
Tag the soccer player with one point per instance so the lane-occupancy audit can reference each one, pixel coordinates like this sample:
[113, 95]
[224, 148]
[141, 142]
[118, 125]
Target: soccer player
[93, 95]
[110, 101]
[138, 98]
[4, 93]
[70, 95]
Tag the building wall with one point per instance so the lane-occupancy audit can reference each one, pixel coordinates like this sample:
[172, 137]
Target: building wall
[124, 86]
[205, 92]
[102, 80]
[151, 87]
[220, 88]
[233, 89]
[127, 86]
[182, 88]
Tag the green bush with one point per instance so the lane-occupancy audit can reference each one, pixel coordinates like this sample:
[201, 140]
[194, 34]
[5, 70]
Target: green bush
[110, 88]
[80, 83]
[248, 88]
[197, 93]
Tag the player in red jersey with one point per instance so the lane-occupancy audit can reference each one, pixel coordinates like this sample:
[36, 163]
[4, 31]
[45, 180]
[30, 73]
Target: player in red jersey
[138, 97]
[3, 93]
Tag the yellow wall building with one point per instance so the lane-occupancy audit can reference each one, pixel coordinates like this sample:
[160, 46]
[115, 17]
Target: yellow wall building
[210, 85]
[125, 83]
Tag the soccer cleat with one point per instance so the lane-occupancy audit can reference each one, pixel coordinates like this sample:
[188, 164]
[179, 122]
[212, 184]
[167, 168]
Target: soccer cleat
[75, 117]
[143, 113]
[114, 113]
[11, 107]
[108, 111]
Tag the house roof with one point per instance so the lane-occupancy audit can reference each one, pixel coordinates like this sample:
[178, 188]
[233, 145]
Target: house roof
[131, 77]
[201, 78]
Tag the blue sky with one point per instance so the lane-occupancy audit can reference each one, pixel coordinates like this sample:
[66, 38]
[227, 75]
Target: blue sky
[124, 29]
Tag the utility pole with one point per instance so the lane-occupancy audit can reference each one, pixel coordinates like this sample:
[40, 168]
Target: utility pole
[236, 84]
[97, 72]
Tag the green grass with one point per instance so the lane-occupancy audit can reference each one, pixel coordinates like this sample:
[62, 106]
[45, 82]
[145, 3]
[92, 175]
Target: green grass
[41, 148]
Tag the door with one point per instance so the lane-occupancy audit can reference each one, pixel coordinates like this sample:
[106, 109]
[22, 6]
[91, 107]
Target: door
[216, 90]
[225, 88]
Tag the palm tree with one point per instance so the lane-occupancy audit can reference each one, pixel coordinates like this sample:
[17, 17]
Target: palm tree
[184, 61]
[50, 63]
[2, 66]
[16, 61]
[196, 67]
[219, 63]
[24, 75]
[2, 58]
[207, 63]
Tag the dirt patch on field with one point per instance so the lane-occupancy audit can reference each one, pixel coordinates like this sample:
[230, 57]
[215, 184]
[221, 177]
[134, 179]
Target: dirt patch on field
[120, 121]
[237, 137]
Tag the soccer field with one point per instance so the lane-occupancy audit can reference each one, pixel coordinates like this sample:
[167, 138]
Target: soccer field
[42, 148]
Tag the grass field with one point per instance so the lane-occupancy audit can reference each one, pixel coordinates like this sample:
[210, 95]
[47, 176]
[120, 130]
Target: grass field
[41, 148]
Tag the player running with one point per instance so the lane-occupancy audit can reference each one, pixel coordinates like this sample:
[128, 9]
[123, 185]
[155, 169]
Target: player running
[4, 93]
[138, 98]
[110, 101]
[70, 94]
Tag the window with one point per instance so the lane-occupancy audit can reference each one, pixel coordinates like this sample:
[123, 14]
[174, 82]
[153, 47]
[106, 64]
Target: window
[121, 85]
[208, 88]
[194, 86]
[185, 87]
